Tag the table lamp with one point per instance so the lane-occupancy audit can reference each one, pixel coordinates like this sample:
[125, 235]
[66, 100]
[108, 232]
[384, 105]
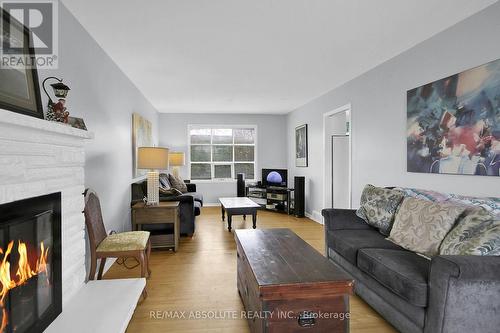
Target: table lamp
[154, 159]
[176, 159]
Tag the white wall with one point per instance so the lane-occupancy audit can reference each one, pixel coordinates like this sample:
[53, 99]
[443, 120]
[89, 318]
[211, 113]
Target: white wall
[271, 143]
[105, 98]
[378, 100]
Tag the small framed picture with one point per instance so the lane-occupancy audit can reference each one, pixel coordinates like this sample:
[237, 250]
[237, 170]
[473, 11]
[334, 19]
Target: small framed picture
[77, 123]
[301, 146]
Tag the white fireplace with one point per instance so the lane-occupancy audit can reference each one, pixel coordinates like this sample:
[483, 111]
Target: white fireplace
[39, 157]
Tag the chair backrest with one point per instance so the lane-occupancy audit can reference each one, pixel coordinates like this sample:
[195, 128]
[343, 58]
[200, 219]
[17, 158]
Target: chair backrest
[93, 219]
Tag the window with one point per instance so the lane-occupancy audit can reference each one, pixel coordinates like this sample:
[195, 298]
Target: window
[221, 152]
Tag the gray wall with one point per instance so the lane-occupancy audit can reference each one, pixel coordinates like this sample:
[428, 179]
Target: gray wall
[271, 143]
[105, 98]
[378, 100]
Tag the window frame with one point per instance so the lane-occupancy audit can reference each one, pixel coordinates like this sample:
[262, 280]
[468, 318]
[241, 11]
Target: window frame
[211, 144]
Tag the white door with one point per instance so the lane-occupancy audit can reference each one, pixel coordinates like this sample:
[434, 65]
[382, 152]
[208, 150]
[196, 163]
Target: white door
[337, 158]
[340, 172]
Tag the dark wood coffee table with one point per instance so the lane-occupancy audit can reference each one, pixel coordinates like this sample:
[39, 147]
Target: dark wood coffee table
[289, 284]
[238, 206]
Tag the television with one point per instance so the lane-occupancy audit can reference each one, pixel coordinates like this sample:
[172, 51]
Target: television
[275, 177]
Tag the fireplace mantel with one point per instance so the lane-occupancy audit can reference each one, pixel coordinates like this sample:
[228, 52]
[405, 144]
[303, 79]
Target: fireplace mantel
[39, 157]
[14, 120]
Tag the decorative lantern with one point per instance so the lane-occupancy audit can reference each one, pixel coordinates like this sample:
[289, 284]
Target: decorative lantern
[57, 111]
[60, 89]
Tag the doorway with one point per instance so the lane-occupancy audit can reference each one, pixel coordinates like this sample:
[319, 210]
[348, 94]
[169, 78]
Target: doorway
[337, 158]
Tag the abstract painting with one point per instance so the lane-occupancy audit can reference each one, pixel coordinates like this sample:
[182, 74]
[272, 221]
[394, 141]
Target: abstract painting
[142, 136]
[301, 146]
[453, 124]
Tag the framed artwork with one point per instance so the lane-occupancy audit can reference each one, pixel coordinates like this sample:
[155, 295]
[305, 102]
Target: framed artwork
[142, 136]
[19, 89]
[453, 124]
[301, 146]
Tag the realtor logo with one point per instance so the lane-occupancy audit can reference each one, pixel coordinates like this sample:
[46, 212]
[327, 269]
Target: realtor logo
[29, 34]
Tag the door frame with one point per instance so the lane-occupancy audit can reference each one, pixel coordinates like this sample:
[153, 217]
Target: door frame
[327, 185]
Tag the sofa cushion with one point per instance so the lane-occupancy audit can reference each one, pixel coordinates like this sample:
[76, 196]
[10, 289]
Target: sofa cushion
[392, 307]
[421, 225]
[477, 233]
[348, 242]
[403, 272]
[378, 207]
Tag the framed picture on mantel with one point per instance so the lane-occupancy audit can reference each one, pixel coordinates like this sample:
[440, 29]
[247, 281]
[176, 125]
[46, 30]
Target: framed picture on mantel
[19, 90]
[301, 146]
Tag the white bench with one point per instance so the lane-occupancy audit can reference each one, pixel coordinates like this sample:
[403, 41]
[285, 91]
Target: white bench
[100, 306]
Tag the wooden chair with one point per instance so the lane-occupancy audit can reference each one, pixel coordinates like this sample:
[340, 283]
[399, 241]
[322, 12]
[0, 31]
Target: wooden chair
[131, 244]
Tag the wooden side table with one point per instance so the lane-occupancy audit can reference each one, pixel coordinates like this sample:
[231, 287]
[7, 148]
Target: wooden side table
[163, 213]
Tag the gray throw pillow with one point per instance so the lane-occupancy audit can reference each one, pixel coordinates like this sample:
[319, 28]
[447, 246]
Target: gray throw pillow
[177, 183]
[421, 225]
[170, 192]
[477, 233]
[378, 207]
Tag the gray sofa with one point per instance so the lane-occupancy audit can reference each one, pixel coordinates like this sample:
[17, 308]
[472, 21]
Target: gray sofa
[443, 295]
[190, 204]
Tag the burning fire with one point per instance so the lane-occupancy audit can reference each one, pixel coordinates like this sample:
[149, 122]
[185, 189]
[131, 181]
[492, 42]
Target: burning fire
[23, 274]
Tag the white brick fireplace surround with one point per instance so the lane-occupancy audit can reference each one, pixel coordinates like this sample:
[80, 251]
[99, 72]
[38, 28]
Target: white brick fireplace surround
[39, 157]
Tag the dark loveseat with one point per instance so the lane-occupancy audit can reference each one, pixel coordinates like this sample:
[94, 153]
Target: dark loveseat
[190, 204]
[445, 294]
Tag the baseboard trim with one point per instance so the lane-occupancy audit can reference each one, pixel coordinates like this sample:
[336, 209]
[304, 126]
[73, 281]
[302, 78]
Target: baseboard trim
[211, 204]
[315, 216]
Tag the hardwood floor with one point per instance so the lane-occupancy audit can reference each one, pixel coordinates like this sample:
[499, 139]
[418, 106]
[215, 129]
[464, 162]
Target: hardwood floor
[201, 276]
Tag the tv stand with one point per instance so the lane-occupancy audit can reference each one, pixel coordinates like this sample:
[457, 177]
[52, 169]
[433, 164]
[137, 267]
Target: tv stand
[274, 198]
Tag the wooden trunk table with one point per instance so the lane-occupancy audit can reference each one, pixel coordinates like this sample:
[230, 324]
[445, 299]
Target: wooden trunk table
[238, 206]
[287, 286]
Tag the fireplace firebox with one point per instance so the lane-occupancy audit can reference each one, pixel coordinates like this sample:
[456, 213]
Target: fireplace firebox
[30, 264]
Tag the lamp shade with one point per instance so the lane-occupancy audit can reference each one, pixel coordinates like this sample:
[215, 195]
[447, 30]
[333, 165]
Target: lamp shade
[176, 158]
[152, 158]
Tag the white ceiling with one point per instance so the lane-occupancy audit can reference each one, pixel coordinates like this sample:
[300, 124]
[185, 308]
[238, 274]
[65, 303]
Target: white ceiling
[257, 56]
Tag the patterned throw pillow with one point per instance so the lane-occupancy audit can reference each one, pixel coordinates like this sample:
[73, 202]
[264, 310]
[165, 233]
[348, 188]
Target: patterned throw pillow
[378, 207]
[178, 183]
[429, 195]
[478, 234]
[492, 205]
[164, 182]
[421, 225]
